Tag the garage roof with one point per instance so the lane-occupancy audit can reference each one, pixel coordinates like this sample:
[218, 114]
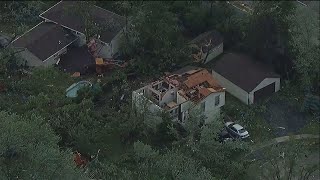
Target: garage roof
[64, 13]
[208, 40]
[243, 71]
[44, 40]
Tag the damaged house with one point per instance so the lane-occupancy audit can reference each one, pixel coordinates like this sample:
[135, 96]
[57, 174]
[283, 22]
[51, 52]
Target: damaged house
[179, 92]
[206, 46]
[64, 29]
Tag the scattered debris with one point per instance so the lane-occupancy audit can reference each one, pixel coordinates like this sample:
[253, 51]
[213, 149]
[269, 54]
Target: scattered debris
[80, 160]
[3, 87]
[102, 65]
[76, 74]
[122, 97]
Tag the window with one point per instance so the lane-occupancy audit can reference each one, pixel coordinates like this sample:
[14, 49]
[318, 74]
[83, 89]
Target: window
[203, 106]
[217, 100]
[233, 129]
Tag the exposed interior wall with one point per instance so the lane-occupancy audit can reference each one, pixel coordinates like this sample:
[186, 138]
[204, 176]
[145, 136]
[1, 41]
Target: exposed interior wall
[142, 103]
[214, 52]
[169, 96]
[212, 111]
[233, 89]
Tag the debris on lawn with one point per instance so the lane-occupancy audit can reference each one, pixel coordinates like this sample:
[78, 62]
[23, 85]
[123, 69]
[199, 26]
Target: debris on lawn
[76, 74]
[80, 160]
[102, 65]
[3, 87]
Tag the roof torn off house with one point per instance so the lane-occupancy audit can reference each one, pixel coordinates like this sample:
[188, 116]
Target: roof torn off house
[190, 84]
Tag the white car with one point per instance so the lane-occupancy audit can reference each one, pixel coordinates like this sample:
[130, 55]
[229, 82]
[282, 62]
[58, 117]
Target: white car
[236, 130]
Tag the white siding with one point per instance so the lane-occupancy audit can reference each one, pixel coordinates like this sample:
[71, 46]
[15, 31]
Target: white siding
[81, 39]
[30, 59]
[211, 110]
[214, 53]
[54, 58]
[105, 51]
[115, 43]
[109, 49]
[264, 83]
[233, 89]
[34, 61]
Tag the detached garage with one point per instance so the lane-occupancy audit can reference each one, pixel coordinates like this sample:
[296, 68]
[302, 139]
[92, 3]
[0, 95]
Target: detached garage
[245, 78]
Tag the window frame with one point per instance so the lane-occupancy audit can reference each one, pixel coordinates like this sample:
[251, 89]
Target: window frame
[217, 100]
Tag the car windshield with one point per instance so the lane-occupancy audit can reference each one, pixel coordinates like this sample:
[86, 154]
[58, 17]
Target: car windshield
[242, 130]
[230, 125]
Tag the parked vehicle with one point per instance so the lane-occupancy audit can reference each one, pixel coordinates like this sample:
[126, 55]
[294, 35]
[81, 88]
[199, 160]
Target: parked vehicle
[236, 130]
[224, 136]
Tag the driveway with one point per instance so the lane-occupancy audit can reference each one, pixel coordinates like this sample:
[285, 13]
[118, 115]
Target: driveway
[284, 118]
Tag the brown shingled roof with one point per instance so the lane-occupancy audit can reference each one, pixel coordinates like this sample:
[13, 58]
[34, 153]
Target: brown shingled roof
[201, 77]
[243, 71]
[44, 40]
[62, 14]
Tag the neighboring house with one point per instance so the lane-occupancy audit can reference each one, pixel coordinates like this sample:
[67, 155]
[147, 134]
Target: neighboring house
[207, 46]
[109, 25]
[64, 30]
[245, 78]
[43, 44]
[180, 92]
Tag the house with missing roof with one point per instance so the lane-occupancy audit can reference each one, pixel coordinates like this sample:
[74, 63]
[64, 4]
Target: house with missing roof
[189, 88]
[245, 78]
[62, 30]
[206, 46]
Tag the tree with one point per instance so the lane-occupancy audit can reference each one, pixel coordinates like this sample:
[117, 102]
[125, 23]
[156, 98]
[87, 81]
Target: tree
[170, 165]
[268, 29]
[29, 150]
[153, 39]
[305, 47]
[286, 161]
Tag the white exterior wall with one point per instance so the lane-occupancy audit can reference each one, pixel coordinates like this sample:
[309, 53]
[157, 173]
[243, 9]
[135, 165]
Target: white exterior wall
[214, 53]
[30, 59]
[264, 83]
[34, 61]
[211, 110]
[233, 89]
[115, 43]
[104, 50]
[144, 105]
[81, 39]
[109, 49]
[54, 58]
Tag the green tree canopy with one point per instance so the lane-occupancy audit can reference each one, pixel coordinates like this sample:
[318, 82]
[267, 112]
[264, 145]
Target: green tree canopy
[29, 150]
